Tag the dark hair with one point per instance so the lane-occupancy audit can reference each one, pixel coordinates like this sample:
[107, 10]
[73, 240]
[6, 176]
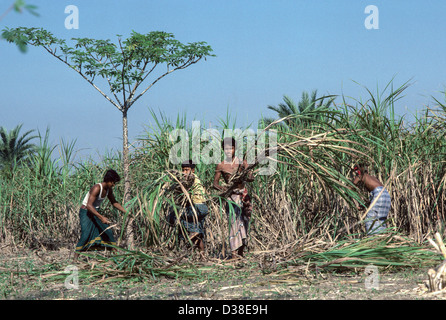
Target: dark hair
[111, 176]
[228, 141]
[188, 164]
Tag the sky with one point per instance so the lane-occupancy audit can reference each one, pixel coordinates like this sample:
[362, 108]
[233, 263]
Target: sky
[264, 49]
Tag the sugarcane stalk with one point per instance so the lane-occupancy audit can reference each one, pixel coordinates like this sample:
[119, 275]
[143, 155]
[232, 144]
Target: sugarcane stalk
[440, 244]
[437, 277]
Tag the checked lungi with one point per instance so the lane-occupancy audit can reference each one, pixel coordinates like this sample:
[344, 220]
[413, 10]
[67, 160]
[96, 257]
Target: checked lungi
[377, 214]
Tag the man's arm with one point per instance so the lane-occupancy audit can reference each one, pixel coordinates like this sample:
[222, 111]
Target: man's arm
[217, 177]
[115, 203]
[357, 179]
[250, 176]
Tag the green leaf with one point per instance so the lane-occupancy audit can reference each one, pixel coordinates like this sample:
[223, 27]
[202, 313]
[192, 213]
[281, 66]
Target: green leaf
[18, 5]
[32, 9]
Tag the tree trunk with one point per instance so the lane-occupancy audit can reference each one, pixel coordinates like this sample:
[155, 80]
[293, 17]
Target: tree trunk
[129, 234]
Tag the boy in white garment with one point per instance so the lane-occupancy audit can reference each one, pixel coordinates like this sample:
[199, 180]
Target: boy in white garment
[94, 226]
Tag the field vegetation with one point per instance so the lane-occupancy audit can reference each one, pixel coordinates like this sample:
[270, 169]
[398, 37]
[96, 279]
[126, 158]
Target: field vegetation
[304, 217]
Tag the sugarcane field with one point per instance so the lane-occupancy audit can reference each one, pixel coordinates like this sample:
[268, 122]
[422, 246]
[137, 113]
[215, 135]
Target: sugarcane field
[326, 197]
[306, 238]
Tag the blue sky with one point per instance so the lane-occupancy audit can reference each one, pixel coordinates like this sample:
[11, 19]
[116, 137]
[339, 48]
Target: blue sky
[265, 49]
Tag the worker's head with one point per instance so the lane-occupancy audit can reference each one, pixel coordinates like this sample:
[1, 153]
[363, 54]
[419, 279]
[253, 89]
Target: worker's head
[112, 177]
[188, 167]
[228, 146]
[359, 169]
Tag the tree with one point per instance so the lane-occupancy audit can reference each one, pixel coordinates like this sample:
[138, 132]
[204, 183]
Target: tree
[124, 66]
[14, 149]
[20, 6]
[308, 109]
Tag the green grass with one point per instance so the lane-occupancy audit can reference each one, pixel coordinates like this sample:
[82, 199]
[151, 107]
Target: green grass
[309, 198]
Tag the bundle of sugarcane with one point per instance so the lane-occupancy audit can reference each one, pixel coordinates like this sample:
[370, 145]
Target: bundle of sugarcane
[437, 276]
[180, 187]
[326, 156]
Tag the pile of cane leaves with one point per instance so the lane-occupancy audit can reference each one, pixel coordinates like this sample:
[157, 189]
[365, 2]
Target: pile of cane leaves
[391, 252]
[126, 264]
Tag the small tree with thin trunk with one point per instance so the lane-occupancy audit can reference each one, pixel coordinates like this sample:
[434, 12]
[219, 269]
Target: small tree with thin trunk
[124, 66]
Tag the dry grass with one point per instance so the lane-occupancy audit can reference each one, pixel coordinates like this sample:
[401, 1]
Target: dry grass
[302, 212]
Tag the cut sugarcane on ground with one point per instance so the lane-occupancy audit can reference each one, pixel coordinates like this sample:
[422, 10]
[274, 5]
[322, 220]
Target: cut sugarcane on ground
[304, 271]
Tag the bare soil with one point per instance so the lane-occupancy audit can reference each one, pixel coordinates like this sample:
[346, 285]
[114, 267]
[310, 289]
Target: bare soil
[243, 280]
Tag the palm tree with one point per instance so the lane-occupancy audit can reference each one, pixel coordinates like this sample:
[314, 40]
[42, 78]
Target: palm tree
[14, 149]
[308, 109]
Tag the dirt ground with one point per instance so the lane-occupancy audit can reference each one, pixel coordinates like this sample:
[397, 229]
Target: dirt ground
[23, 277]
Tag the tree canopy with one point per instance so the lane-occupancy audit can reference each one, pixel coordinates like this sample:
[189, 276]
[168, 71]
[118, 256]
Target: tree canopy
[125, 66]
[309, 108]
